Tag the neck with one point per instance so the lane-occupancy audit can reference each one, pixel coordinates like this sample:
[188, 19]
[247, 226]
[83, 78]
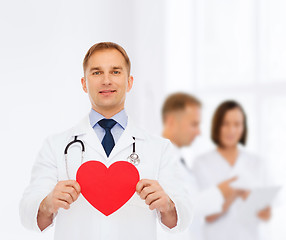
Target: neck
[108, 113]
[228, 149]
[168, 135]
[229, 153]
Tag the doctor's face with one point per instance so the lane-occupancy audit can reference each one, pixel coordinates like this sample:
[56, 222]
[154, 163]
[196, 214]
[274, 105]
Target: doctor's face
[107, 81]
[187, 125]
[232, 128]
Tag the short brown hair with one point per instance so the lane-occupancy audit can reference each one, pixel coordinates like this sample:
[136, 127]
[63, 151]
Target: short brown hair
[178, 101]
[106, 45]
[218, 117]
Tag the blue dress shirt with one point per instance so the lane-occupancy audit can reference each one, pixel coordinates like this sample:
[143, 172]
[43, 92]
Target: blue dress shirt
[121, 118]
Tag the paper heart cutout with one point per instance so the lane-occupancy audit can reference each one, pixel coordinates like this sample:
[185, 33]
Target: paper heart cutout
[107, 189]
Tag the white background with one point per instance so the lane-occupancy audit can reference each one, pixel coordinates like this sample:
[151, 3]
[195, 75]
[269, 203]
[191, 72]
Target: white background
[215, 49]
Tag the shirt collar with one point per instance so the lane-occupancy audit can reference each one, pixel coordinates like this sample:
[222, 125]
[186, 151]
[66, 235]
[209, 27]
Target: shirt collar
[121, 118]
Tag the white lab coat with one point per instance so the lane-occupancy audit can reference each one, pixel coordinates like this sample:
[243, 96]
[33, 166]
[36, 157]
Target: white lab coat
[82, 221]
[210, 170]
[206, 202]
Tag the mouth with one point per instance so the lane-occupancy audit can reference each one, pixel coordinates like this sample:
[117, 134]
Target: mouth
[107, 92]
[230, 138]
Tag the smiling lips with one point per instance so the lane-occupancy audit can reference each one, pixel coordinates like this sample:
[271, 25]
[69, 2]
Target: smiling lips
[107, 92]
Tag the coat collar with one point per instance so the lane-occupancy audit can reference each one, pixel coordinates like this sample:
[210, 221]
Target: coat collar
[88, 136]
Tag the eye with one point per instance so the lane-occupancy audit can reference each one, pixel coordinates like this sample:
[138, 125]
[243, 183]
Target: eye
[116, 72]
[225, 124]
[96, 73]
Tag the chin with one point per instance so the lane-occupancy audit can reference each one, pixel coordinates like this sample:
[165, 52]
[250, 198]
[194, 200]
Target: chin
[107, 103]
[229, 145]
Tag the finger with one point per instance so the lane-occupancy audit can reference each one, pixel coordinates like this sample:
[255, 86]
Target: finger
[66, 182]
[156, 204]
[77, 187]
[143, 183]
[74, 184]
[146, 191]
[63, 204]
[163, 203]
[70, 190]
[152, 197]
[65, 197]
[241, 191]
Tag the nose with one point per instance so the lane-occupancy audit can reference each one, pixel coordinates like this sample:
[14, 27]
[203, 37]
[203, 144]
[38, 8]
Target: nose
[232, 130]
[106, 80]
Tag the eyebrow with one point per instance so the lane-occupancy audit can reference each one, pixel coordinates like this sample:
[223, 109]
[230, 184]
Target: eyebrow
[94, 68]
[117, 67]
[114, 68]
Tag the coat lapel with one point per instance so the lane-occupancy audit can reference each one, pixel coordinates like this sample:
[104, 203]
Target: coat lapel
[89, 137]
[123, 142]
[126, 139]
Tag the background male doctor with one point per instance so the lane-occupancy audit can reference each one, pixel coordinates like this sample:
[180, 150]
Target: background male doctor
[106, 80]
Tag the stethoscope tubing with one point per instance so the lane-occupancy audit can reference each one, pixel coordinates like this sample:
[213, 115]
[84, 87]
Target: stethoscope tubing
[133, 158]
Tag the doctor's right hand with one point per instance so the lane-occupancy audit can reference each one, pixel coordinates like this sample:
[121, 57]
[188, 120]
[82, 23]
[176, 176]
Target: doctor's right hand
[62, 196]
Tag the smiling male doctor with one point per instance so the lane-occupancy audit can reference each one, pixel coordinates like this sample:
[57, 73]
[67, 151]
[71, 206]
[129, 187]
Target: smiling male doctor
[108, 135]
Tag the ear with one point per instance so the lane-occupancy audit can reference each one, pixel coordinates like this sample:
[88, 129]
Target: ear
[83, 83]
[169, 119]
[174, 119]
[130, 83]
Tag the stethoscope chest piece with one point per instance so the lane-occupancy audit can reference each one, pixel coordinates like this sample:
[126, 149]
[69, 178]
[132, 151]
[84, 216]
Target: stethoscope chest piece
[134, 159]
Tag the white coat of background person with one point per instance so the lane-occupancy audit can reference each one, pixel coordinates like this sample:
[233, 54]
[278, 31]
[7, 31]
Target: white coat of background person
[229, 128]
[181, 114]
[52, 197]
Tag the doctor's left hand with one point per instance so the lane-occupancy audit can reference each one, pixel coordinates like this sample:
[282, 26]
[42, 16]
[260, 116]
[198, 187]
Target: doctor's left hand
[154, 196]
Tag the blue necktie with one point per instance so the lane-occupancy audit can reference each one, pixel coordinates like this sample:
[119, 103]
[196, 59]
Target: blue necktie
[107, 141]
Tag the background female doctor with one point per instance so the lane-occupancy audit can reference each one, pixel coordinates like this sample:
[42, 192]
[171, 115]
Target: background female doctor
[229, 128]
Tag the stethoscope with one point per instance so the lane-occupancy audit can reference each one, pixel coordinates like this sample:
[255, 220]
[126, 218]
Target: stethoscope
[132, 158]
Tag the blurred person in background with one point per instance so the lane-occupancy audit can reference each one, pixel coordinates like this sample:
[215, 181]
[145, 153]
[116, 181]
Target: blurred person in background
[229, 130]
[181, 114]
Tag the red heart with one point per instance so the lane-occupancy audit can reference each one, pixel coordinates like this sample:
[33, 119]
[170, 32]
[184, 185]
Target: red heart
[107, 189]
